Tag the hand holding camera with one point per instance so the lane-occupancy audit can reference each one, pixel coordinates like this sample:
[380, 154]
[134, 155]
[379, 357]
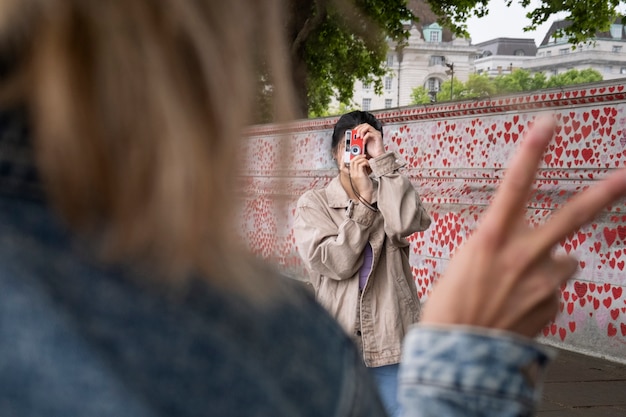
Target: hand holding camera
[355, 146]
[356, 159]
[364, 139]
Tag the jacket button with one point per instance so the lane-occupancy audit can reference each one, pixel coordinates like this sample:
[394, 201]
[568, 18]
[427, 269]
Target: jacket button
[358, 333]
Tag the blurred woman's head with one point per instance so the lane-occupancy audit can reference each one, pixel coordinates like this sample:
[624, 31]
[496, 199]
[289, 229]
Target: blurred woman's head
[137, 109]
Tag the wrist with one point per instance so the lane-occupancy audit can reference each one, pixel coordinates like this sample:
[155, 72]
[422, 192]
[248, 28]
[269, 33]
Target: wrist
[368, 196]
[373, 207]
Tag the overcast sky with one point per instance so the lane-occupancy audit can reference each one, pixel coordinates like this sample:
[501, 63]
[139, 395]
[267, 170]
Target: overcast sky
[506, 22]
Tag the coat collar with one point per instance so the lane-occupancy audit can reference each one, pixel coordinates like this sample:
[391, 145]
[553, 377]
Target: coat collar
[18, 174]
[336, 195]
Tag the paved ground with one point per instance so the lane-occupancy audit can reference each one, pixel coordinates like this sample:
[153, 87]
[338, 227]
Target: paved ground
[583, 386]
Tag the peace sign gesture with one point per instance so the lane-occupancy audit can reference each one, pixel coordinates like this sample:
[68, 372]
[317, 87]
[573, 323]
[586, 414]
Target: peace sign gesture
[507, 275]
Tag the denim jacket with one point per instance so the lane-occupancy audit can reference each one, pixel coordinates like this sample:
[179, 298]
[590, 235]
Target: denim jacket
[469, 371]
[82, 338]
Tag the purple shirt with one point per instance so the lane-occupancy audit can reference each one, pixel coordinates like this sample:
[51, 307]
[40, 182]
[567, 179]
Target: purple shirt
[366, 267]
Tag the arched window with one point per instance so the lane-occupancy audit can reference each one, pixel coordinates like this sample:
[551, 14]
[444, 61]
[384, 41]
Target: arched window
[433, 84]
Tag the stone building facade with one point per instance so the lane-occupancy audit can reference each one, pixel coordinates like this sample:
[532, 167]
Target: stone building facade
[433, 55]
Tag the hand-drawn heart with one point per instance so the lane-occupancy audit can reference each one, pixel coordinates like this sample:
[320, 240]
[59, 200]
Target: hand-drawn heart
[611, 330]
[609, 235]
[580, 288]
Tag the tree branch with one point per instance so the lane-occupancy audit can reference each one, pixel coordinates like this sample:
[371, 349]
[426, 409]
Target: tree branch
[309, 25]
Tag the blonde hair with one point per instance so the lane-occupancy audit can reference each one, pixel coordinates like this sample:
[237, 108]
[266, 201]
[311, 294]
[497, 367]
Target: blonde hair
[138, 108]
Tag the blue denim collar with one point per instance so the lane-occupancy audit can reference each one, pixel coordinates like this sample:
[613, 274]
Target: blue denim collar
[18, 173]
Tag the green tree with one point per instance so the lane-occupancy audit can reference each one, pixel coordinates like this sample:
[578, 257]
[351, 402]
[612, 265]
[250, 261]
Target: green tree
[519, 80]
[335, 110]
[476, 86]
[479, 85]
[420, 95]
[586, 17]
[574, 76]
[459, 90]
[335, 43]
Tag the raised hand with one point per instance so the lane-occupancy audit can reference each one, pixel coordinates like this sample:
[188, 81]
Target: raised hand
[359, 176]
[507, 275]
[372, 138]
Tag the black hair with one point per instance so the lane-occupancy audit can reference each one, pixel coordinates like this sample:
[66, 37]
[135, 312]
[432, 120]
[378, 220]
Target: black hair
[350, 120]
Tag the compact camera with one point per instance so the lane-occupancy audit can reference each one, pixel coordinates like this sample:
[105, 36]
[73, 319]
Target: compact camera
[354, 146]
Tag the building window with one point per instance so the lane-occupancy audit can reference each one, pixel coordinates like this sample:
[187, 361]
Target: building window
[548, 53]
[437, 60]
[608, 69]
[433, 84]
[388, 103]
[616, 31]
[519, 52]
[617, 48]
[555, 72]
[390, 61]
[432, 33]
[558, 39]
[366, 86]
[622, 70]
[564, 51]
[367, 104]
[388, 82]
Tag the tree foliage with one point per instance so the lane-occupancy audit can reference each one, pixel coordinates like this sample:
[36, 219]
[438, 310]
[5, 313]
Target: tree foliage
[479, 85]
[587, 17]
[447, 93]
[520, 80]
[574, 77]
[420, 95]
[334, 43]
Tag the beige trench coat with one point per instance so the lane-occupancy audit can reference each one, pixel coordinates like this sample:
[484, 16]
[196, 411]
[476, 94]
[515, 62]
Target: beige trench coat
[331, 233]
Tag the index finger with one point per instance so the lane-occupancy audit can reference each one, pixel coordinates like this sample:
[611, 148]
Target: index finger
[581, 209]
[511, 198]
[365, 128]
